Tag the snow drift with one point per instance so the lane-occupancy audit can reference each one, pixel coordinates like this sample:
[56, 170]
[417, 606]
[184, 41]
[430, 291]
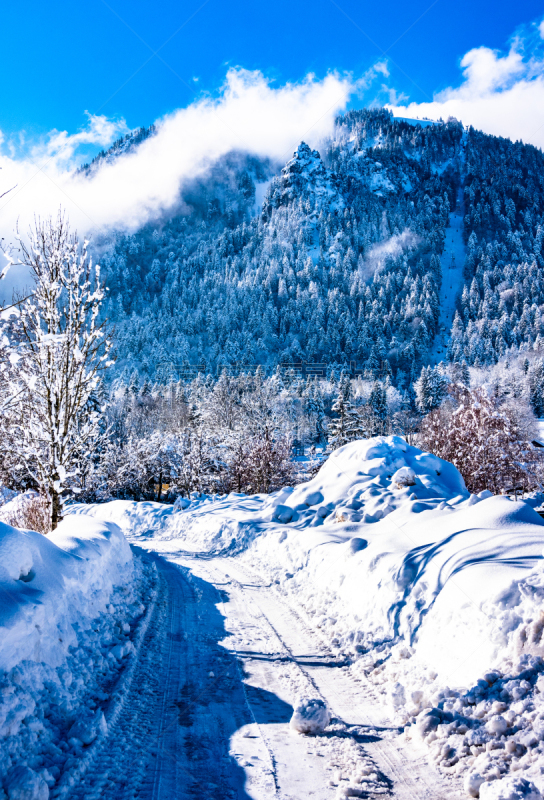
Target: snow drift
[384, 546]
[49, 584]
[69, 607]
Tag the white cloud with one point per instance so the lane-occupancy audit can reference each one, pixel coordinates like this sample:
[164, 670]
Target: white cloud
[376, 256]
[249, 114]
[502, 94]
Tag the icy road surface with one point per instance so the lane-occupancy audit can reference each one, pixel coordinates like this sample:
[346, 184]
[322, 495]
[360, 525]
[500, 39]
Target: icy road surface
[206, 713]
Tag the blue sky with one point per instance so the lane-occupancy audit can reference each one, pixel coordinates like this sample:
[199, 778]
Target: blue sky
[61, 59]
[237, 76]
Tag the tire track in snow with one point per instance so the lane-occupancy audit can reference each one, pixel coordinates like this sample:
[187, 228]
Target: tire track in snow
[88, 776]
[303, 764]
[174, 709]
[411, 774]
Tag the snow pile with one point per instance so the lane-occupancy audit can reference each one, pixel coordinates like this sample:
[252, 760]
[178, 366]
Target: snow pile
[384, 548]
[48, 583]
[510, 789]
[69, 606]
[134, 519]
[310, 716]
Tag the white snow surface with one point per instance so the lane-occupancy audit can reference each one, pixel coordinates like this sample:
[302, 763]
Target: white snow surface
[433, 594]
[49, 583]
[69, 606]
[510, 789]
[427, 567]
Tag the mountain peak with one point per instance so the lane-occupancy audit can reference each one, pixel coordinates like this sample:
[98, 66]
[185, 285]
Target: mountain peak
[304, 176]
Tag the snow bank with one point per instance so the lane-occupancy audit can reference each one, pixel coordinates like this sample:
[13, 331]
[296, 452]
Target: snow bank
[510, 789]
[49, 584]
[69, 605]
[134, 519]
[384, 547]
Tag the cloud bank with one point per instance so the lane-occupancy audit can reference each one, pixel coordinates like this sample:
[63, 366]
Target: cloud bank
[249, 114]
[501, 93]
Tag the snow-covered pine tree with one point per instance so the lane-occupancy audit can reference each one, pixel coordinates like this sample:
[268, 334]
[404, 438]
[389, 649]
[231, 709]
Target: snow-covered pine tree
[61, 349]
[377, 401]
[341, 425]
[430, 388]
[536, 386]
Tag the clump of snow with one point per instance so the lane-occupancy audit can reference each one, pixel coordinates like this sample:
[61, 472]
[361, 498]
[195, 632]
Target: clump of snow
[87, 730]
[24, 784]
[310, 716]
[510, 789]
[181, 504]
[283, 514]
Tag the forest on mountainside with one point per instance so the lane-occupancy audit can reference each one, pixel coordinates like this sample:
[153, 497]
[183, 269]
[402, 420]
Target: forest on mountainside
[342, 264]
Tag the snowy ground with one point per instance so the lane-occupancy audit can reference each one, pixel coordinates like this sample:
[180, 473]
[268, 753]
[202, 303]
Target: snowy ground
[452, 261]
[381, 589]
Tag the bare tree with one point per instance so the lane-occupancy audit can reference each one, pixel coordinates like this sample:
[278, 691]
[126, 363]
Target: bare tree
[486, 442]
[59, 351]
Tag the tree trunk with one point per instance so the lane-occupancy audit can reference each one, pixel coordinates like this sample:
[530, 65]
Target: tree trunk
[159, 491]
[56, 509]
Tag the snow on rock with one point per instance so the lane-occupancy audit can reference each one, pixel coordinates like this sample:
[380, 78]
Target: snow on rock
[304, 175]
[510, 789]
[310, 716]
[472, 783]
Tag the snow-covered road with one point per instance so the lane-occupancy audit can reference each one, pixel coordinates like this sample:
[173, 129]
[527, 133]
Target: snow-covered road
[206, 712]
[409, 607]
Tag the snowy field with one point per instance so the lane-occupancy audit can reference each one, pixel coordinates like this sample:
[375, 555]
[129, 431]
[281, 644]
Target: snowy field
[380, 598]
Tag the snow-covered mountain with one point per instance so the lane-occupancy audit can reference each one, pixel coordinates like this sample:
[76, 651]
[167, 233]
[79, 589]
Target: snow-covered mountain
[349, 259]
[126, 144]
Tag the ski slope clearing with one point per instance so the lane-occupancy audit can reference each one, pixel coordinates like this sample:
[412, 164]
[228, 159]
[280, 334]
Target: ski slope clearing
[452, 261]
